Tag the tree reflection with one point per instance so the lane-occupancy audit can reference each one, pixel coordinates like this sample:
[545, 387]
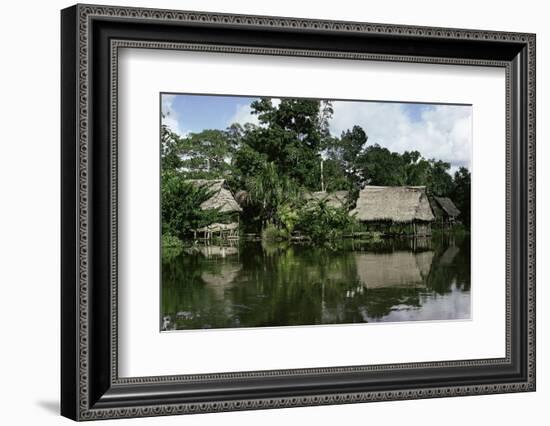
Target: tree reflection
[258, 284]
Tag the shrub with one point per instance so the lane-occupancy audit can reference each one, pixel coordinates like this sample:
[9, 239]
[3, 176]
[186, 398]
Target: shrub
[272, 233]
[288, 216]
[171, 241]
[321, 222]
[181, 211]
[171, 246]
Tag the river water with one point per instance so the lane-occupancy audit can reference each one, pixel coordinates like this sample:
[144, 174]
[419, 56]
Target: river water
[253, 284]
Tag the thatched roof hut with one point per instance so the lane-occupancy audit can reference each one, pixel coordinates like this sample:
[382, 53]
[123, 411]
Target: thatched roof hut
[336, 199]
[447, 206]
[398, 204]
[222, 198]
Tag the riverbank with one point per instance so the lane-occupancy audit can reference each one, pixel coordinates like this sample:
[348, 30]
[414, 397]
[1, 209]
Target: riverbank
[173, 246]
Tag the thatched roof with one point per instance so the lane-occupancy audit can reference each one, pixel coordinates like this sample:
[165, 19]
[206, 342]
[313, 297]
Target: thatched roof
[337, 199]
[393, 203]
[222, 198]
[448, 206]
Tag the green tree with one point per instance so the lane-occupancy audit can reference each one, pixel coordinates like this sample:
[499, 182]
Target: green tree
[247, 162]
[207, 154]
[462, 194]
[291, 156]
[290, 135]
[417, 168]
[439, 181]
[170, 149]
[346, 151]
[306, 119]
[334, 176]
[270, 190]
[380, 166]
[181, 211]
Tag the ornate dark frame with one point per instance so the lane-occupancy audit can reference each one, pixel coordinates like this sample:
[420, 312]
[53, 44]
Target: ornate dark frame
[91, 37]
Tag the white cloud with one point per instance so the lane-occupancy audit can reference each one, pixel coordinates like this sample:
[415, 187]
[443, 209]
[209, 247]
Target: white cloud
[167, 102]
[443, 132]
[243, 114]
[170, 116]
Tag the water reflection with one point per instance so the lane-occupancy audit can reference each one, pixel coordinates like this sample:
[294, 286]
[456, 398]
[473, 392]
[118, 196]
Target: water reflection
[254, 284]
[213, 251]
[397, 269]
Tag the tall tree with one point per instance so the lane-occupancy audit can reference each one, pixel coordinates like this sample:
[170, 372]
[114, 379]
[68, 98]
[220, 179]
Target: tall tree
[290, 135]
[346, 151]
[306, 119]
[417, 168]
[269, 190]
[380, 166]
[439, 181]
[334, 177]
[207, 154]
[462, 193]
[170, 149]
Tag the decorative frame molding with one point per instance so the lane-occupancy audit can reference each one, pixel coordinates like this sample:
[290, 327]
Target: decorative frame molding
[91, 37]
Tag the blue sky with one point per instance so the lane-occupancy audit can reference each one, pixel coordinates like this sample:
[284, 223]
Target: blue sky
[437, 131]
[198, 112]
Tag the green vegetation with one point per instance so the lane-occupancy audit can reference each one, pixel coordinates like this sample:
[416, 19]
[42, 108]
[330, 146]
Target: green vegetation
[171, 247]
[181, 211]
[321, 222]
[273, 234]
[273, 164]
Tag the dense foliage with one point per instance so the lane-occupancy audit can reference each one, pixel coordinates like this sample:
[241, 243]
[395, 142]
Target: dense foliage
[322, 222]
[181, 212]
[461, 193]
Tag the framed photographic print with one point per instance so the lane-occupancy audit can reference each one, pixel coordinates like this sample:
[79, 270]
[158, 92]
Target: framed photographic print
[263, 212]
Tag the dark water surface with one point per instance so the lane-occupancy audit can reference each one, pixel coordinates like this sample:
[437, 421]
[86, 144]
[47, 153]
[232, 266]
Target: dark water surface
[252, 284]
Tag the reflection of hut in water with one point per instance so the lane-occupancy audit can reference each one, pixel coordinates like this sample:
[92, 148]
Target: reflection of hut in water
[424, 261]
[380, 205]
[420, 243]
[336, 199]
[221, 278]
[217, 251]
[222, 200]
[397, 269]
[213, 251]
[445, 211]
[449, 255]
